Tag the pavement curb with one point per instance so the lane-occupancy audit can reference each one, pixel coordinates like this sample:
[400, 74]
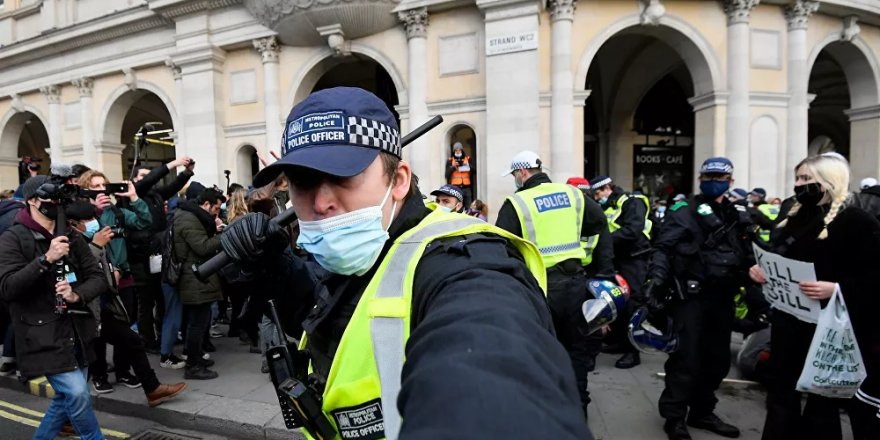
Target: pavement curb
[165, 415]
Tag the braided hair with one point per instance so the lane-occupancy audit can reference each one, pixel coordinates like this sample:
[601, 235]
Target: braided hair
[833, 174]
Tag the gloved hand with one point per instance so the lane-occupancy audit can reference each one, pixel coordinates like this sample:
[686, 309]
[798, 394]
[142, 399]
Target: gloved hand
[652, 294]
[252, 237]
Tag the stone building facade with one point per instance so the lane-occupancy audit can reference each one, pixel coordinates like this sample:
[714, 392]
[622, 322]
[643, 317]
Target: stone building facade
[642, 90]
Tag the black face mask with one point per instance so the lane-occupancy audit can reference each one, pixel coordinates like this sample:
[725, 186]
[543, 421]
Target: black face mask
[48, 209]
[809, 194]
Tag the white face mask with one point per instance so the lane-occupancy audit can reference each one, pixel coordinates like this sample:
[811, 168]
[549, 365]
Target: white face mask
[350, 243]
[444, 208]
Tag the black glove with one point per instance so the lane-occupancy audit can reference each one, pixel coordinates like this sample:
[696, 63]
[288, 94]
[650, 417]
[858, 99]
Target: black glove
[652, 298]
[253, 237]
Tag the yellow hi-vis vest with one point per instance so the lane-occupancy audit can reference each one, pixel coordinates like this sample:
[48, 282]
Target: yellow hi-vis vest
[613, 214]
[771, 212]
[360, 397]
[551, 215]
[588, 244]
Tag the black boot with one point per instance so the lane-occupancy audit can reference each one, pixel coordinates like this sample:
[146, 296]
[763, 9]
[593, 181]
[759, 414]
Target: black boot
[711, 422]
[199, 372]
[676, 429]
[628, 360]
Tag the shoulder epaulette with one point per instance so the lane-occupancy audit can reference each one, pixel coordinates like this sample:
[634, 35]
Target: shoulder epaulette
[679, 205]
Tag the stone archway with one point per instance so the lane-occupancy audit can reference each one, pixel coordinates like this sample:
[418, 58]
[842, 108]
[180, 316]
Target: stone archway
[247, 163]
[844, 115]
[621, 70]
[22, 134]
[123, 117]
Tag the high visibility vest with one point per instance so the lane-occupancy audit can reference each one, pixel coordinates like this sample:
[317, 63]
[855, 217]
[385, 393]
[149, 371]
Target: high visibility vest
[588, 244]
[551, 215]
[771, 212]
[613, 213]
[360, 396]
[460, 178]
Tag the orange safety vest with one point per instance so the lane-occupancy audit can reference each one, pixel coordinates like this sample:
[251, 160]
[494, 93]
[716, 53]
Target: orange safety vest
[460, 178]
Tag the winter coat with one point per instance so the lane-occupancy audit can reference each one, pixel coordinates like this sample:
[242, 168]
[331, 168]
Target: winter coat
[849, 257]
[195, 241]
[135, 218]
[869, 200]
[110, 301]
[47, 343]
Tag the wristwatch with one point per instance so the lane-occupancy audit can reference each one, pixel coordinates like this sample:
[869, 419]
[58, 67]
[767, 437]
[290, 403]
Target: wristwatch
[44, 261]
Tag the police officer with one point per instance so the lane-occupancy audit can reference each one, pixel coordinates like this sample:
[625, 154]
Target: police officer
[555, 217]
[764, 214]
[449, 198]
[417, 323]
[630, 226]
[703, 252]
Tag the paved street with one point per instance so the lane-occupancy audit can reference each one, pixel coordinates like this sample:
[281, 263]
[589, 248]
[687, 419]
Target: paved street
[241, 404]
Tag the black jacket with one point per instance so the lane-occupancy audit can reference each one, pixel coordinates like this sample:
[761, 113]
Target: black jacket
[141, 244]
[711, 247]
[869, 200]
[594, 223]
[47, 343]
[848, 256]
[481, 357]
[195, 241]
[8, 210]
[630, 238]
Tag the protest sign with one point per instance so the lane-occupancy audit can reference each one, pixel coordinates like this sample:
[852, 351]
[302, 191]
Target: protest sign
[782, 289]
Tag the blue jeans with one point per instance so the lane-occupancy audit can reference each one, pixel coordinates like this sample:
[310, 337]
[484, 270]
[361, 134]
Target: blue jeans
[171, 323]
[71, 402]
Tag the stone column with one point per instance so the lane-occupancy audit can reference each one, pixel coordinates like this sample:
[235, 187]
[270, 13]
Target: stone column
[797, 15]
[179, 146]
[90, 153]
[53, 97]
[738, 64]
[415, 21]
[203, 114]
[562, 161]
[268, 49]
[512, 89]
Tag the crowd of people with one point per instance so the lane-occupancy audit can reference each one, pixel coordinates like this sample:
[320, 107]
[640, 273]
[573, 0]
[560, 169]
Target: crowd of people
[409, 305]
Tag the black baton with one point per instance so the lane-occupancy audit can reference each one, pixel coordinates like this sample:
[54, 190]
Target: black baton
[220, 260]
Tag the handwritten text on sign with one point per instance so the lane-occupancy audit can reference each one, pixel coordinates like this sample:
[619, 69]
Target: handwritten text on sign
[782, 289]
[518, 42]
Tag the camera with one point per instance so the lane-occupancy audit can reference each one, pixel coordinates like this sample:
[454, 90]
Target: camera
[59, 192]
[118, 231]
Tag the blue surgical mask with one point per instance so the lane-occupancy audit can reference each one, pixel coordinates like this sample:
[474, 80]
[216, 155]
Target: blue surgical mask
[661, 209]
[92, 228]
[347, 244]
[603, 200]
[444, 208]
[714, 188]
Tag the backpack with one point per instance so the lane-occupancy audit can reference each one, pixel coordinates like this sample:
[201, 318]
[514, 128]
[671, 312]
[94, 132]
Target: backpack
[172, 267]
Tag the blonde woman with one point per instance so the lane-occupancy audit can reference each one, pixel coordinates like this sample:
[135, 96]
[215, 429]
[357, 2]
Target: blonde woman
[843, 243]
[237, 205]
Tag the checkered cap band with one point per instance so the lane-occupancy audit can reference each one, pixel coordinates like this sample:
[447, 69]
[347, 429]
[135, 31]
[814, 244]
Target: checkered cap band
[450, 191]
[600, 183]
[370, 133]
[522, 166]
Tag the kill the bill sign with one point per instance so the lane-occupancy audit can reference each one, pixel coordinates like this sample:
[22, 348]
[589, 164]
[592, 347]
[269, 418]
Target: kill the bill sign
[782, 289]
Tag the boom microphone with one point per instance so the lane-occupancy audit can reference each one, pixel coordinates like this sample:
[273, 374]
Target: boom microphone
[61, 170]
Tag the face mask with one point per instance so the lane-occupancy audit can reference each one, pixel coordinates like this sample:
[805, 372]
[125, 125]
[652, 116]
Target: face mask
[444, 208]
[516, 182]
[661, 209]
[347, 244]
[603, 200]
[92, 228]
[458, 154]
[714, 188]
[48, 209]
[809, 194]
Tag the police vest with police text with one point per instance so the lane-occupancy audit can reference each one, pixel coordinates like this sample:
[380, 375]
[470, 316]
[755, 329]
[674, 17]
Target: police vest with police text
[551, 216]
[360, 396]
[613, 213]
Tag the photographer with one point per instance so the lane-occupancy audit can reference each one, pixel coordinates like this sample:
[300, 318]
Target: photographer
[120, 220]
[128, 349]
[144, 244]
[54, 330]
[28, 167]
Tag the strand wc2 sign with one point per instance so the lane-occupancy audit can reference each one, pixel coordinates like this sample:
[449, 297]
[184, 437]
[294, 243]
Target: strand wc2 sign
[518, 42]
[782, 289]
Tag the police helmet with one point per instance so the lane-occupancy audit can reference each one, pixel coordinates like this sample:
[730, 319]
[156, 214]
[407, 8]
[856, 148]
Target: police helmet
[652, 332]
[608, 301]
